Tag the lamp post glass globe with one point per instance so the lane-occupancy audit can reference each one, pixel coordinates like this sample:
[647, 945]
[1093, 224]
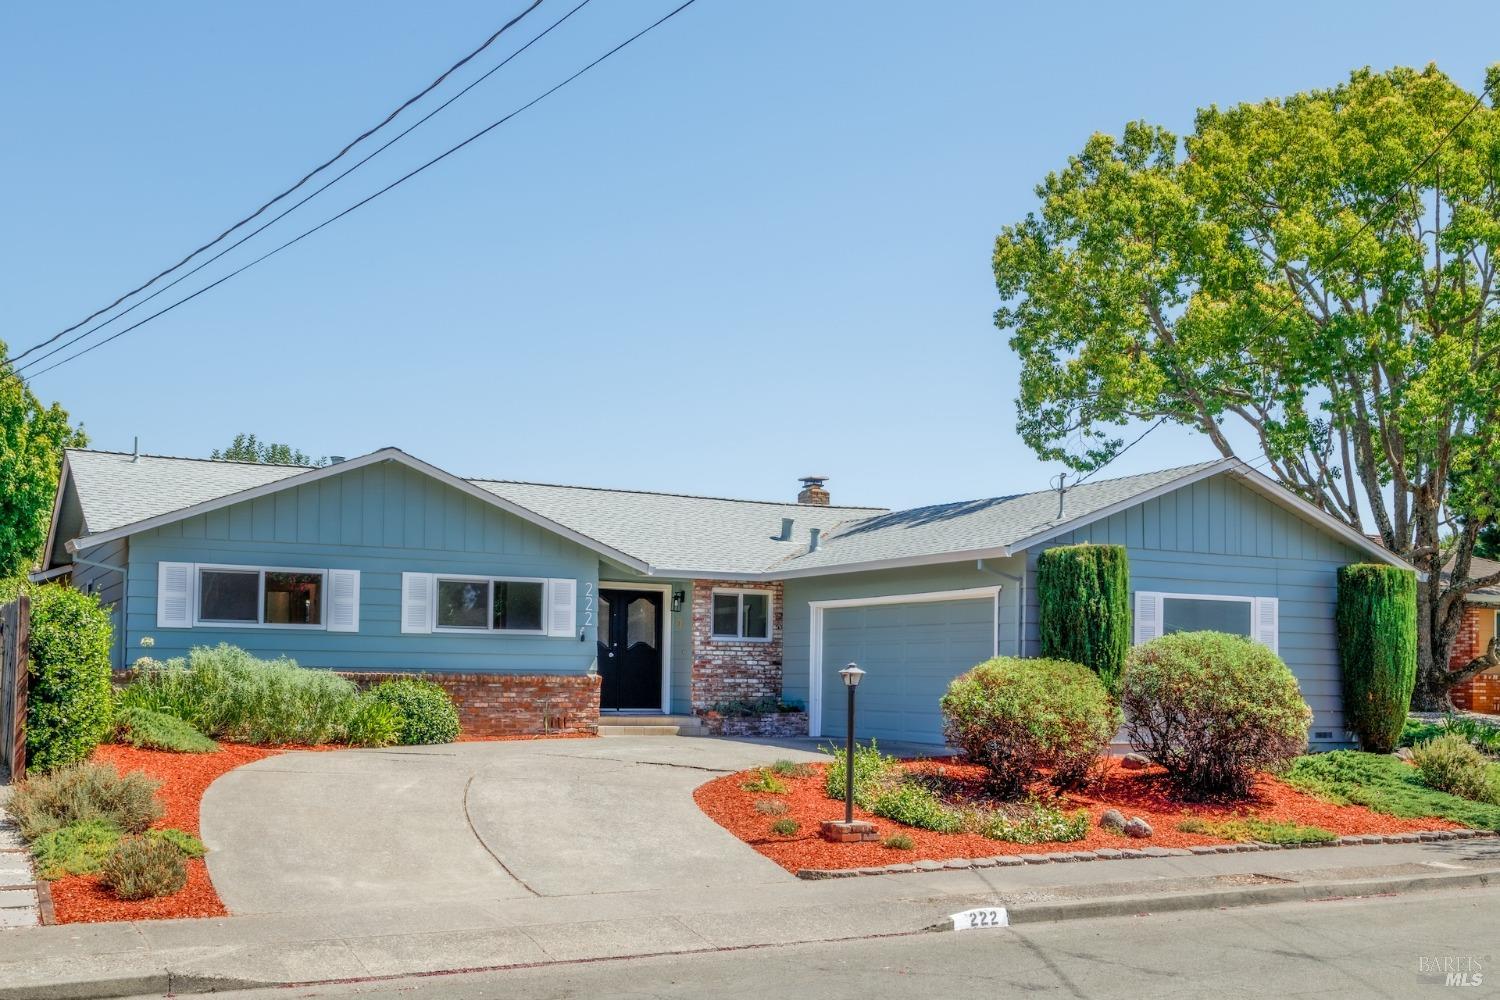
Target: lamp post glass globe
[852, 675]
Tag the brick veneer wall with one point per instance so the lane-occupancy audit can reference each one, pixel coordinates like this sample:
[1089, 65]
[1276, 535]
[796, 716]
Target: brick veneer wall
[1480, 693]
[727, 670]
[513, 704]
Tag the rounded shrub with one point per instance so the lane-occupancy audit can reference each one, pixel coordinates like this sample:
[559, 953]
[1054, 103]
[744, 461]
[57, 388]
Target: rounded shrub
[1450, 763]
[375, 723]
[1213, 709]
[143, 868]
[1084, 596]
[1377, 631]
[1015, 716]
[68, 704]
[427, 713]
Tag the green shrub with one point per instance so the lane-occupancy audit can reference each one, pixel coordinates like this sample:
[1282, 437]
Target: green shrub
[1450, 763]
[427, 713]
[68, 703]
[375, 723]
[872, 770]
[47, 802]
[227, 693]
[1213, 709]
[1485, 736]
[765, 781]
[1381, 782]
[1377, 634]
[785, 827]
[144, 868]
[75, 849]
[150, 730]
[1258, 830]
[1414, 731]
[791, 769]
[187, 844]
[1040, 823]
[1084, 595]
[899, 842]
[911, 804]
[1014, 716]
[771, 807]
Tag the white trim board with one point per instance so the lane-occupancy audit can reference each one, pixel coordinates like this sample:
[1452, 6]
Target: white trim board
[666, 633]
[349, 465]
[815, 634]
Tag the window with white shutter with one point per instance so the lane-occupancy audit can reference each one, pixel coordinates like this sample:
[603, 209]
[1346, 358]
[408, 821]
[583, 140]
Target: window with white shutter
[1267, 622]
[343, 600]
[174, 595]
[1147, 616]
[416, 602]
[1162, 614]
[562, 608]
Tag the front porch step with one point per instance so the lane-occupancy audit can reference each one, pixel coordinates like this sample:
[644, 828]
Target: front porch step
[650, 725]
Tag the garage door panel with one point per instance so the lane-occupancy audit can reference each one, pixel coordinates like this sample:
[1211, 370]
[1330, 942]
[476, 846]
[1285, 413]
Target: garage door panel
[909, 653]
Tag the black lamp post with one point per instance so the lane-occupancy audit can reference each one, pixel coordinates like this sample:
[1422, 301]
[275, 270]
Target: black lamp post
[852, 675]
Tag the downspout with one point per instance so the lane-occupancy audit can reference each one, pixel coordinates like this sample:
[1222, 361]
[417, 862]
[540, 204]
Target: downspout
[1020, 602]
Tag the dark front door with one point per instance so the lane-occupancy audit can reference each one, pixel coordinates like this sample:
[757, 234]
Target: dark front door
[630, 623]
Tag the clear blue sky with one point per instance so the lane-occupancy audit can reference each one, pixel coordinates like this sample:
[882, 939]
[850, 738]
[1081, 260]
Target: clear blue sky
[754, 245]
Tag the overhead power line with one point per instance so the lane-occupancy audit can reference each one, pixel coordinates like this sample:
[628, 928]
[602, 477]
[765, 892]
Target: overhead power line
[298, 204]
[1344, 248]
[365, 201]
[305, 178]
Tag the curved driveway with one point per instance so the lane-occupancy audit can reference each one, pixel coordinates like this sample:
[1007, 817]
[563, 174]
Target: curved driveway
[473, 822]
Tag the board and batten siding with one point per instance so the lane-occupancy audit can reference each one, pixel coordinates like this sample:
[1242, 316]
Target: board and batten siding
[1219, 537]
[801, 592]
[381, 520]
[97, 577]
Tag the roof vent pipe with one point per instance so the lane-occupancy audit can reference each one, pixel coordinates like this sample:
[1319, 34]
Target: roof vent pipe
[135, 454]
[812, 540]
[786, 530]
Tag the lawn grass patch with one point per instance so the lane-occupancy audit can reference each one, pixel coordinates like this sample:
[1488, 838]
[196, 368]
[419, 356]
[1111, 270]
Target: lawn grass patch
[1385, 785]
[1258, 830]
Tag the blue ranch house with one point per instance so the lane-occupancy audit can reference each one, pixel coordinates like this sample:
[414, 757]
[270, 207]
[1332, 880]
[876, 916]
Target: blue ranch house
[544, 607]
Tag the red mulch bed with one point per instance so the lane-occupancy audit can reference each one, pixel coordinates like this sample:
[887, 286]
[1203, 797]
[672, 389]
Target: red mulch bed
[184, 777]
[1142, 793]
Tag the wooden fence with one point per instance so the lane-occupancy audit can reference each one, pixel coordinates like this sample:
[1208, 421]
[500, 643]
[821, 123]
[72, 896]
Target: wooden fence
[15, 634]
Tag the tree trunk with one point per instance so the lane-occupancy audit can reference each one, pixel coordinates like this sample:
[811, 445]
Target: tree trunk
[1431, 692]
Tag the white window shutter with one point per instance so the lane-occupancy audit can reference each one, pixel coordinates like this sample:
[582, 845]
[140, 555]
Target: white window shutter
[1147, 616]
[174, 595]
[416, 602]
[343, 600]
[1267, 624]
[562, 608]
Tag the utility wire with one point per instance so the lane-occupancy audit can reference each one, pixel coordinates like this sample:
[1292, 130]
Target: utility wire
[365, 201]
[288, 211]
[1386, 203]
[306, 177]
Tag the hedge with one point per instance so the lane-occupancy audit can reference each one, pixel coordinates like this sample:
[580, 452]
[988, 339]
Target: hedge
[68, 706]
[1084, 593]
[1377, 633]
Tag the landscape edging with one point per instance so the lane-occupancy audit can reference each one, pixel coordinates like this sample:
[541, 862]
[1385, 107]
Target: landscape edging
[1111, 854]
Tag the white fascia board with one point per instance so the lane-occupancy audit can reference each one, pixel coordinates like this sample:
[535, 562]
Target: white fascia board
[42, 576]
[835, 569]
[62, 485]
[349, 465]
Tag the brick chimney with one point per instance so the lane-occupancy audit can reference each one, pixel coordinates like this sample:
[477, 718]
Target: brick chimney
[813, 492]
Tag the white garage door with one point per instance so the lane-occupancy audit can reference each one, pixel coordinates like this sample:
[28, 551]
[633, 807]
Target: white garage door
[909, 652]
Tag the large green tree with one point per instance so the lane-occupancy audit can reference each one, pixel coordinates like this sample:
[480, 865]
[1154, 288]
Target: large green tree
[32, 439]
[1315, 274]
[249, 448]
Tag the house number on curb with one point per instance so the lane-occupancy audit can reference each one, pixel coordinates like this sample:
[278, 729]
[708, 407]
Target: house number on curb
[980, 918]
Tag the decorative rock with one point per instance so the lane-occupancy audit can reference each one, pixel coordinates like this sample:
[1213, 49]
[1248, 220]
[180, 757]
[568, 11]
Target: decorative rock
[1112, 819]
[1107, 853]
[1134, 761]
[1137, 828]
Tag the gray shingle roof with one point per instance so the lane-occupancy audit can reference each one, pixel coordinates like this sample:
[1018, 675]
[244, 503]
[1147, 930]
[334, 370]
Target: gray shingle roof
[971, 525]
[704, 535]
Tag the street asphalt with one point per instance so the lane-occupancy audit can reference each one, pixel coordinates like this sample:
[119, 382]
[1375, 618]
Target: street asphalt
[1365, 948]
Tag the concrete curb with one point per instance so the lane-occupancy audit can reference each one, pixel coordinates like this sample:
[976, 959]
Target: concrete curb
[159, 981]
[1109, 854]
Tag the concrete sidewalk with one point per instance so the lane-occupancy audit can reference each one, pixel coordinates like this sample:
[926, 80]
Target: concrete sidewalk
[335, 944]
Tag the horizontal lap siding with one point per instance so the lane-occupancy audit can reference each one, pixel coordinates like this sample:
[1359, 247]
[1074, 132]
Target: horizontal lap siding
[382, 520]
[109, 584]
[1217, 537]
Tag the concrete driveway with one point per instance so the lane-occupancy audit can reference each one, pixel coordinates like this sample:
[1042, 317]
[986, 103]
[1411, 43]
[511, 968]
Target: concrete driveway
[472, 822]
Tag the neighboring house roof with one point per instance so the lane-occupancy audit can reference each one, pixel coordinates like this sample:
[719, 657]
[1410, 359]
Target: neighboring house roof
[1480, 568]
[662, 533]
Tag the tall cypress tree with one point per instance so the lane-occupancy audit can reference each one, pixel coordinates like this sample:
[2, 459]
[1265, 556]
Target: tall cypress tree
[1084, 594]
[1377, 626]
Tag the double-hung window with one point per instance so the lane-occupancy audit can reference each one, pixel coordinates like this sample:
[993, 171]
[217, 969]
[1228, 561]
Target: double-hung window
[1162, 614]
[250, 595]
[742, 615]
[490, 604]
